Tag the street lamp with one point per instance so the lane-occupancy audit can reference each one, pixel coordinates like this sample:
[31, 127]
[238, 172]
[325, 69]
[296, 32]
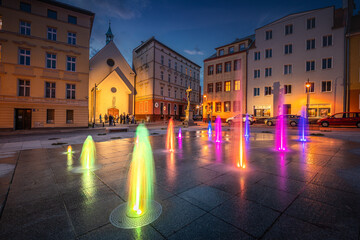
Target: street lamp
[206, 106]
[307, 85]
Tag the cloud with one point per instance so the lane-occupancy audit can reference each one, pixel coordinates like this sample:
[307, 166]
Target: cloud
[196, 51]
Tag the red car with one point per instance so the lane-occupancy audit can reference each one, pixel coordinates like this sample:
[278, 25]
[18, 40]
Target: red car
[344, 118]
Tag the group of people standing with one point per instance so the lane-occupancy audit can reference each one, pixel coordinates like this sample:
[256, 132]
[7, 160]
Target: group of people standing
[122, 119]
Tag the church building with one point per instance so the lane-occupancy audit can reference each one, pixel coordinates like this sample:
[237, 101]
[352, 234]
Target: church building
[111, 83]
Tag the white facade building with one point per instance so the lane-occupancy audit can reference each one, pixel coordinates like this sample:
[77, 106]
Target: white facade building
[288, 52]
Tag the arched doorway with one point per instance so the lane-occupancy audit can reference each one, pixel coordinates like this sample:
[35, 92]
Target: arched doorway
[113, 111]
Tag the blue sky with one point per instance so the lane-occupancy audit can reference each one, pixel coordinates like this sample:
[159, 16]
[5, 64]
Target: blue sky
[192, 28]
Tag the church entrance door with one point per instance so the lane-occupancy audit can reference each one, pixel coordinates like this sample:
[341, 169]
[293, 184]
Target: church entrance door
[113, 111]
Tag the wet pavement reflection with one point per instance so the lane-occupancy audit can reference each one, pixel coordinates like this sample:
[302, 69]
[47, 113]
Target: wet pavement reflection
[310, 191]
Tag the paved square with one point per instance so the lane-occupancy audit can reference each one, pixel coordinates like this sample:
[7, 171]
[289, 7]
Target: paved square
[310, 192]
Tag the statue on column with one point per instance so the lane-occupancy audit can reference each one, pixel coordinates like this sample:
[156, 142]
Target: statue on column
[189, 113]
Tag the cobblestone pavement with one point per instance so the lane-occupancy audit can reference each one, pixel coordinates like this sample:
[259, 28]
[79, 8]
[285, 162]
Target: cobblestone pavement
[311, 191]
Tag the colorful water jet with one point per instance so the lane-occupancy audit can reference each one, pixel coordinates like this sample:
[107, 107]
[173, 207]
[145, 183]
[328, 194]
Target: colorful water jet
[69, 149]
[281, 144]
[218, 132]
[88, 153]
[303, 126]
[140, 209]
[247, 127]
[180, 135]
[209, 130]
[170, 136]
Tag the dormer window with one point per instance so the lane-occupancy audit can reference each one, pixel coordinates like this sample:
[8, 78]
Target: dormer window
[242, 46]
[231, 50]
[221, 52]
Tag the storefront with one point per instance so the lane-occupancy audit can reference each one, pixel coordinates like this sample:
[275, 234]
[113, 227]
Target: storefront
[262, 111]
[319, 110]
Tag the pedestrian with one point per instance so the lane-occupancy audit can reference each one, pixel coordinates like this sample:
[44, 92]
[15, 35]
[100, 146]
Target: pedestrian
[106, 118]
[110, 119]
[133, 119]
[127, 118]
[100, 118]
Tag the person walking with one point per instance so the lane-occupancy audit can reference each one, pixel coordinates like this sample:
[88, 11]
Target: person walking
[100, 118]
[127, 118]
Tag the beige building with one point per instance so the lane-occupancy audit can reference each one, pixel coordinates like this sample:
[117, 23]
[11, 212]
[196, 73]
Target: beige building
[225, 80]
[162, 77]
[354, 65]
[114, 80]
[44, 64]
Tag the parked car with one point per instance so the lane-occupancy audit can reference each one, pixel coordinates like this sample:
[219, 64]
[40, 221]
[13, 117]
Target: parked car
[197, 118]
[236, 119]
[293, 120]
[344, 118]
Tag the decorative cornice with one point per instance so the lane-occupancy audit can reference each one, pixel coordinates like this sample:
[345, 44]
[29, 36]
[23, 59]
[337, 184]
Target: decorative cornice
[51, 48]
[24, 43]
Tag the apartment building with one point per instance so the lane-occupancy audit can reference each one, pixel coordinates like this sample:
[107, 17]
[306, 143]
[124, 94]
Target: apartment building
[44, 64]
[354, 65]
[225, 79]
[162, 77]
[289, 52]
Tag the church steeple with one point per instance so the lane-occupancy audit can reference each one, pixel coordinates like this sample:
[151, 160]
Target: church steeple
[109, 35]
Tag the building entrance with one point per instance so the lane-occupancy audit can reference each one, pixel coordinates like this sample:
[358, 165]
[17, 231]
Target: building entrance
[22, 119]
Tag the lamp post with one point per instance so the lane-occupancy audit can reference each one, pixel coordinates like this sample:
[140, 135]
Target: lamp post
[308, 85]
[205, 104]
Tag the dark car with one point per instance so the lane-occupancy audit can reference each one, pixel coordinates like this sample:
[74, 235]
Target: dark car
[344, 118]
[293, 120]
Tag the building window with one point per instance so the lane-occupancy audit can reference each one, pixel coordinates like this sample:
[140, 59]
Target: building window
[310, 23]
[326, 86]
[1, 22]
[236, 65]
[51, 14]
[181, 81]
[69, 116]
[26, 7]
[310, 44]
[231, 50]
[218, 87]
[242, 46]
[70, 63]
[169, 92]
[24, 88]
[175, 66]
[287, 89]
[257, 73]
[288, 29]
[71, 38]
[211, 70]
[256, 56]
[218, 68]
[0, 52]
[175, 79]
[162, 91]
[287, 69]
[169, 78]
[210, 88]
[50, 115]
[50, 60]
[25, 28]
[327, 41]
[24, 56]
[72, 19]
[267, 91]
[268, 53]
[181, 95]
[70, 91]
[221, 52]
[227, 106]
[162, 75]
[256, 92]
[326, 63]
[228, 67]
[162, 60]
[51, 33]
[311, 89]
[268, 72]
[181, 68]
[218, 107]
[236, 85]
[169, 63]
[227, 85]
[288, 49]
[310, 66]
[268, 35]
[50, 89]
[175, 94]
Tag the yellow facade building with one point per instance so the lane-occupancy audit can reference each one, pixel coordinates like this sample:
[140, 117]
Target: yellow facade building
[225, 80]
[354, 65]
[44, 64]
